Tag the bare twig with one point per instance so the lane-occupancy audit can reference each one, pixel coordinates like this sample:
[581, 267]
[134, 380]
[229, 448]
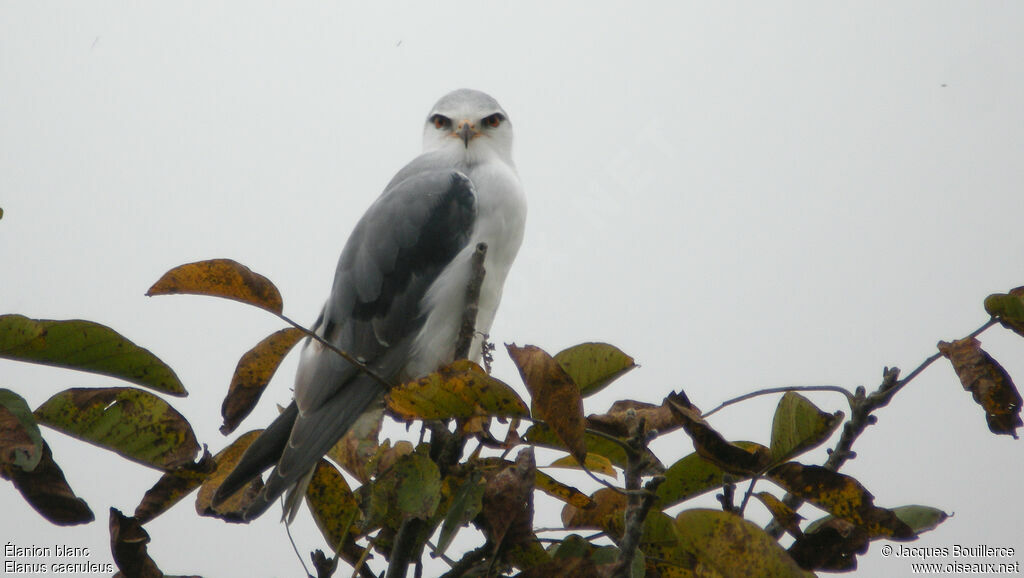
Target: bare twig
[727, 496]
[769, 391]
[435, 554]
[344, 354]
[288, 531]
[748, 493]
[467, 329]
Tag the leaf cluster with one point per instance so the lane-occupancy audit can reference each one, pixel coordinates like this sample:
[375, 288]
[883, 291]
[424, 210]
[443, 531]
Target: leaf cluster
[463, 476]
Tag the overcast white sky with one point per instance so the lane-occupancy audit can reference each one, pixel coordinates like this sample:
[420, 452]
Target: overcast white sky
[739, 195]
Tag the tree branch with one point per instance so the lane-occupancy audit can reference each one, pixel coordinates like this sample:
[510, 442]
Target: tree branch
[468, 561]
[862, 407]
[771, 390]
[467, 330]
[344, 354]
[638, 502]
[445, 447]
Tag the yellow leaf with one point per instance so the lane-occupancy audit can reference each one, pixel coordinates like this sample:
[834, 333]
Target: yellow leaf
[593, 462]
[459, 390]
[220, 278]
[231, 509]
[253, 373]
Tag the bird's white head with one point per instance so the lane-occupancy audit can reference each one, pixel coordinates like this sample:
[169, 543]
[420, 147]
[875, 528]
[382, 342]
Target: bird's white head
[470, 124]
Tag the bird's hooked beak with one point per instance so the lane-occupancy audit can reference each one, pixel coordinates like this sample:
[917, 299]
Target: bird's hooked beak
[466, 131]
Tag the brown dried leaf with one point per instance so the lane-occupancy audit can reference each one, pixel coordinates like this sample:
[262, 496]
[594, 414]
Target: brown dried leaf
[508, 502]
[988, 382]
[252, 374]
[48, 492]
[606, 513]
[231, 509]
[832, 546]
[711, 446]
[556, 398]
[220, 278]
[173, 486]
[657, 418]
[128, 542]
[842, 496]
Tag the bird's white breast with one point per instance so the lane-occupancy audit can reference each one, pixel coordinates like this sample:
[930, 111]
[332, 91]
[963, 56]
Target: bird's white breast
[501, 217]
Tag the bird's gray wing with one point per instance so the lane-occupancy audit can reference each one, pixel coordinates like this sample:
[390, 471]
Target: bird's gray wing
[395, 253]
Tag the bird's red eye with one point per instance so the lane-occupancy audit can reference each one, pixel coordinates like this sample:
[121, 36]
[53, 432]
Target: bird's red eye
[494, 120]
[440, 121]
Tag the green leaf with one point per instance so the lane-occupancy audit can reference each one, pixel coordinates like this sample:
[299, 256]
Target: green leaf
[467, 503]
[1008, 309]
[459, 390]
[920, 518]
[543, 436]
[593, 366]
[799, 426]
[418, 485]
[17, 330]
[692, 476]
[131, 422]
[689, 477]
[21, 444]
[85, 346]
[572, 546]
[732, 546]
[410, 489]
[220, 278]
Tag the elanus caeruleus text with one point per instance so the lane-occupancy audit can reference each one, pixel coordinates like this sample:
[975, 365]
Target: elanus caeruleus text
[400, 287]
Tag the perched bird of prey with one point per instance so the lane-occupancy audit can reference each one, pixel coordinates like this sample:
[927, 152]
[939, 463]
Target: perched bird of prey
[400, 288]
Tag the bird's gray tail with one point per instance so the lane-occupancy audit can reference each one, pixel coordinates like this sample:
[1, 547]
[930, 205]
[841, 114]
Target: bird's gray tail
[312, 435]
[260, 455]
